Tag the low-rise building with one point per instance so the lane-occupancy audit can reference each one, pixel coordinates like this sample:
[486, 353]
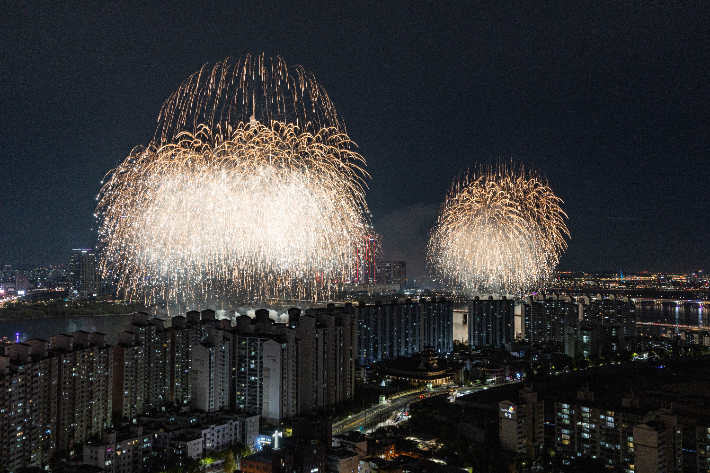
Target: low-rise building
[354, 441]
[378, 465]
[416, 370]
[218, 429]
[191, 435]
[268, 461]
[178, 444]
[341, 460]
[126, 451]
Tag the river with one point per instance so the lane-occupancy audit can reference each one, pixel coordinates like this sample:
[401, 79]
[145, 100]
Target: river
[691, 314]
[44, 328]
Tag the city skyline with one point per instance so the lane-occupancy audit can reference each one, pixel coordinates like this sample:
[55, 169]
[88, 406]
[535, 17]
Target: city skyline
[609, 102]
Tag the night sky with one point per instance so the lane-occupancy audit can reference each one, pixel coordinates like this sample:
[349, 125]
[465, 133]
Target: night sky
[610, 101]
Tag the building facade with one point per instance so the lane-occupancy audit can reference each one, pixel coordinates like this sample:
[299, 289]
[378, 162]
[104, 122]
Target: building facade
[658, 445]
[126, 451]
[58, 394]
[386, 331]
[211, 373]
[294, 369]
[521, 424]
[622, 435]
[491, 322]
[84, 273]
[391, 272]
[55, 395]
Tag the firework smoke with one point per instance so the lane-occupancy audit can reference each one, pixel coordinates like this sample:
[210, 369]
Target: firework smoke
[500, 230]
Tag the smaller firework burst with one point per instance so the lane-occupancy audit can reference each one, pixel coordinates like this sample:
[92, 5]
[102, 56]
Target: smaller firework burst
[501, 230]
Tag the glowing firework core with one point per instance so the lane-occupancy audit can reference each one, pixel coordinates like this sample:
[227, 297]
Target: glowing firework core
[499, 230]
[245, 207]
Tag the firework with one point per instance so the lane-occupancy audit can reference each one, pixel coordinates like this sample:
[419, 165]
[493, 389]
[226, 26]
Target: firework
[224, 202]
[253, 89]
[500, 230]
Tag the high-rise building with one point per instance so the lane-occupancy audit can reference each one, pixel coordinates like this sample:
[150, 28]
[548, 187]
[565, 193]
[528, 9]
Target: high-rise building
[294, 369]
[129, 372]
[335, 348]
[437, 324]
[84, 380]
[384, 272]
[620, 435]
[582, 339]
[22, 281]
[613, 311]
[156, 339]
[28, 405]
[391, 272]
[366, 262]
[277, 380]
[386, 331]
[182, 336]
[152, 364]
[603, 325]
[586, 326]
[248, 358]
[521, 424]
[546, 316]
[491, 322]
[588, 429]
[211, 372]
[399, 272]
[55, 395]
[84, 273]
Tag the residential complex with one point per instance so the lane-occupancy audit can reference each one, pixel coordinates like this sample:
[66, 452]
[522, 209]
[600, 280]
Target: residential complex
[584, 326]
[386, 331]
[620, 435]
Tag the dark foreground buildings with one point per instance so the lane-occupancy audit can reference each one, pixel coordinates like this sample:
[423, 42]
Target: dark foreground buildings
[57, 394]
[621, 435]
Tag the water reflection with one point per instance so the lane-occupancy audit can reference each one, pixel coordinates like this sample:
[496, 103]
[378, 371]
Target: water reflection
[692, 314]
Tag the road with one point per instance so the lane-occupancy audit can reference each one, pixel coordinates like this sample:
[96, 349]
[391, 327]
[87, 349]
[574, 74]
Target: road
[382, 411]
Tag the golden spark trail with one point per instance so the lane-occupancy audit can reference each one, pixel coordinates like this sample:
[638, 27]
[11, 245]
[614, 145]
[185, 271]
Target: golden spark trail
[500, 230]
[242, 192]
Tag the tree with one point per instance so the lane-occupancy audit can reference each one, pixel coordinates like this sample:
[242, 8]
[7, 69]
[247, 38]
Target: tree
[229, 464]
[192, 465]
[241, 450]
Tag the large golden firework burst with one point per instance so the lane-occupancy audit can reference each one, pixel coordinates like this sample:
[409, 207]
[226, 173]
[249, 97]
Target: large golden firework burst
[251, 187]
[501, 230]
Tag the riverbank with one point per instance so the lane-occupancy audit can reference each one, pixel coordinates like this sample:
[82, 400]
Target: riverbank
[14, 311]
